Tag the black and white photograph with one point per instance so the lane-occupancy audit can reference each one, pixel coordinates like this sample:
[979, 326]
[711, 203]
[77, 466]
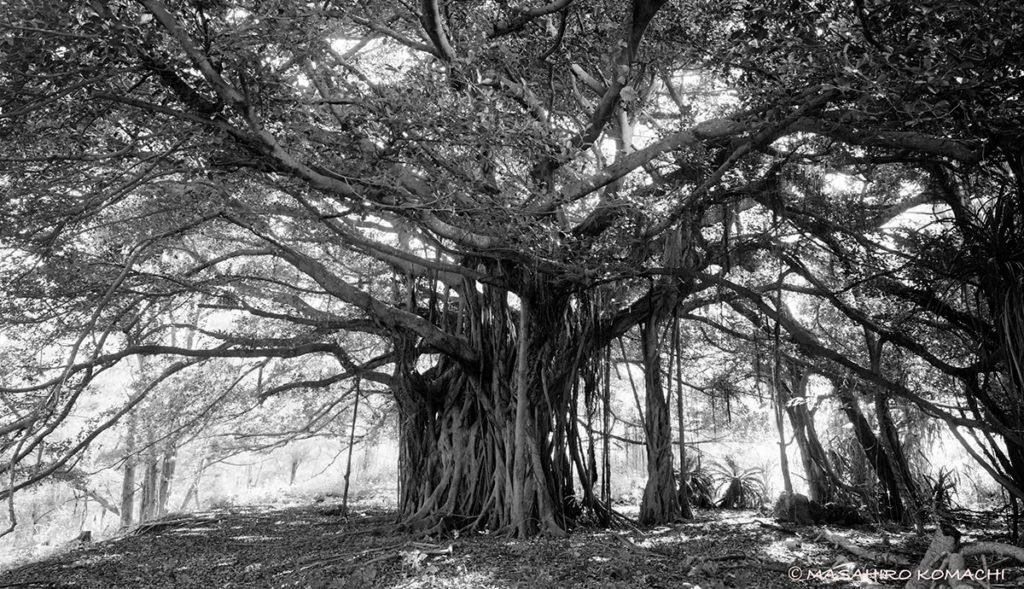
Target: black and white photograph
[511, 294]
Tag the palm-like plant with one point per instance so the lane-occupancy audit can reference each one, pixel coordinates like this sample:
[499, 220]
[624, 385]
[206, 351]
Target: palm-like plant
[700, 484]
[740, 488]
[942, 487]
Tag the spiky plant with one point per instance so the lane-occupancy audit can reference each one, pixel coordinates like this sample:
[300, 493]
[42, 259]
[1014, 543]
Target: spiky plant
[942, 487]
[738, 487]
[700, 484]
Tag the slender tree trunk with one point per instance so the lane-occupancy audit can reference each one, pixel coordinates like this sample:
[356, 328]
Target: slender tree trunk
[606, 412]
[128, 479]
[148, 506]
[685, 510]
[587, 470]
[167, 469]
[1015, 455]
[585, 460]
[520, 501]
[1014, 517]
[192, 494]
[591, 474]
[780, 426]
[351, 445]
[660, 503]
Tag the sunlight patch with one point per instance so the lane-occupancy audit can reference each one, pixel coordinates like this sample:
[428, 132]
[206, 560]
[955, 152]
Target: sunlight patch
[98, 559]
[467, 580]
[253, 538]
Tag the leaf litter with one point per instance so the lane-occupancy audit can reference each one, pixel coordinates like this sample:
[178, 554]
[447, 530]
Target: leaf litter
[317, 547]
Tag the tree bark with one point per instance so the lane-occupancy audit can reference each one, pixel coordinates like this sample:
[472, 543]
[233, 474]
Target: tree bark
[482, 445]
[351, 446]
[167, 468]
[812, 454]
[890, 441]
[879, 460]
[192, 494]
[128, 479]
[520, 504]
[889, 438]
[660, 503]
[685, 510]
[148, 506]
[780, 426]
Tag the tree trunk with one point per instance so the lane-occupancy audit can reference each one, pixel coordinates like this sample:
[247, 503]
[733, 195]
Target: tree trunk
[889, 438]
[1014, 518]
[521, 503]
[890, 441]
[192, 494]
[780, 425]
[879, 460]
[148, 506]
[606, 429]
[481, 444]
[128, 480]
[351, 446]
[1015, 456]
[167, 467]
[685, 510]
[660, 503]
[812, 454]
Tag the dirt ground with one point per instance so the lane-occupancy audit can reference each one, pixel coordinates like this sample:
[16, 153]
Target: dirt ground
[319, 548]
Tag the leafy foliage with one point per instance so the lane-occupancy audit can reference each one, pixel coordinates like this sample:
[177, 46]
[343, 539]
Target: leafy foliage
[738, 487]
[700, 484]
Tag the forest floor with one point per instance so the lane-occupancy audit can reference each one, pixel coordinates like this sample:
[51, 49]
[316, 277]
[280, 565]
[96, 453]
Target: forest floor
[316, 547]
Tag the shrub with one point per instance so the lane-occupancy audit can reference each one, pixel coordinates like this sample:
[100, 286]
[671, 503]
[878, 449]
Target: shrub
[739, 488]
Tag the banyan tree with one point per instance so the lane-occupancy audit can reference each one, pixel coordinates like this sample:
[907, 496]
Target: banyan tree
[492, 193]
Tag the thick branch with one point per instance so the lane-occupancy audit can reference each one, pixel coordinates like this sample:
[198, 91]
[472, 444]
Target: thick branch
[713, 129]
[431, 20]
[387, 314]
[519, 21]
[917, 142]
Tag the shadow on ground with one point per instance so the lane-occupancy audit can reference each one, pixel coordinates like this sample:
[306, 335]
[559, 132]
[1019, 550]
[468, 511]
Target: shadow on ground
[317, 547]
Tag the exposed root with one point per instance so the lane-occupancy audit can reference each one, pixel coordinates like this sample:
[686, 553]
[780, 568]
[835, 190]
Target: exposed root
[861, 552]
[633, 547]
[946, 551]
[155, 527]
